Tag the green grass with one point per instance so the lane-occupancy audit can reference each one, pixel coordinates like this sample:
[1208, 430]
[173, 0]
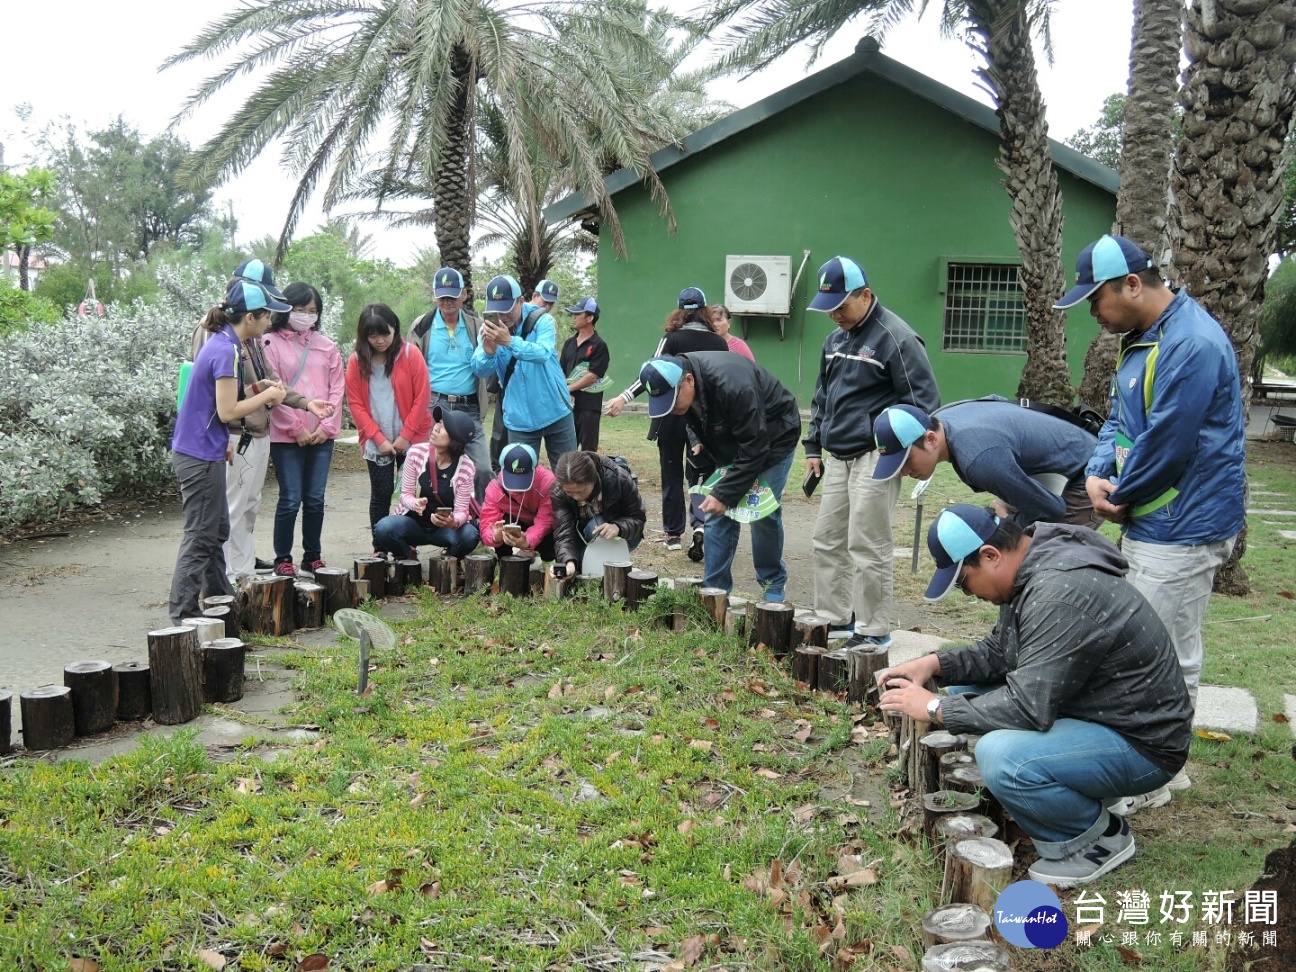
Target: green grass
[544, 785]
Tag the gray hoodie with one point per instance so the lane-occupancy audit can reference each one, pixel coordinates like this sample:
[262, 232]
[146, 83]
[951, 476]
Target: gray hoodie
[1076, 641]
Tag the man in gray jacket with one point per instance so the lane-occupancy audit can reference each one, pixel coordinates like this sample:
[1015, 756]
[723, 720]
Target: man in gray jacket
[871, 360]
[1077, 689]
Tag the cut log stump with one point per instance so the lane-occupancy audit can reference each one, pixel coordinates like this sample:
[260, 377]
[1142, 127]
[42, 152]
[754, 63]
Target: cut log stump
[410, 573]
[931, 748]
[950, 762]
[479, 573]
[967, 957]
[865, 663]
[308, 605]
[774, 627]
[716, 603]
[134, 697]
[374, 570]
[954, 923]
[223, 670]
[443, 575]
[47, 719]
[336, 582]
[640, 585]
[515, 576]
[175, 674]
[939, 804]
[976, 870]
[270, 609]
[359, 591]
[736, 621]
[209, 629]
[805, 664]
[810, 629]
[6, 721]
[94, 695]
[834, 671]
[227, 616]
[963, 826]
[616, 576]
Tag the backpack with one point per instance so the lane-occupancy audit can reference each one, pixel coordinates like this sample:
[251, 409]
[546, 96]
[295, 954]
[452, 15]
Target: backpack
[1082, 416]
[624, 464]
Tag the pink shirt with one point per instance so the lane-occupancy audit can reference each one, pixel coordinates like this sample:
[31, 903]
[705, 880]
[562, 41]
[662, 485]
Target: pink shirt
[321, 377]
[738, 346]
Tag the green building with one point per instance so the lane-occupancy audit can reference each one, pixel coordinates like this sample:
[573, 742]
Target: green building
[866, 158]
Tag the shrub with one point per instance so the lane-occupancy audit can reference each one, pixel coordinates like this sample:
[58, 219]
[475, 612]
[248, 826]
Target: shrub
[19, 309]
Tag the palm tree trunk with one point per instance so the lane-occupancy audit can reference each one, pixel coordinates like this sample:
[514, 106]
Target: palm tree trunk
[1146, 147]
[1227, 183]
[1032, 183]
[453, 194]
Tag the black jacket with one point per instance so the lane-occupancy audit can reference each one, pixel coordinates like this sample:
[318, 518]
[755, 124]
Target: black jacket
[878, 363]
[1076, 641]
[743, 415]
[620, 505]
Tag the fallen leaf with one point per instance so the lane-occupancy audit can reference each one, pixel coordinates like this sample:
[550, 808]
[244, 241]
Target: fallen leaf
[902, 953]
[804, 814]
[83, 965]
[276, 948]
[610, 692]
[1287, 594]
[315, 962]
[655, 931]
[685, 826]
[418, 801]
[214, 960]
[768, 773]
[363, 695]
[711, 723]
[431, 890]
[657, 737]
[162, 831]
[1129, 955]
[1280, 718]
[691, 950]
[248, 784]
[1213, 736]
[702, 744]
[556, 691]
[378, 887]
[803, 735]
[859, 879]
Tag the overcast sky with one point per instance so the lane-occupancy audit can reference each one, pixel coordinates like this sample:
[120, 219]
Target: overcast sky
[91, 60]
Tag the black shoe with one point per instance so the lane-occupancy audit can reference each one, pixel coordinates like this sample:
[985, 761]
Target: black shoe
[695, 551]
[264, 564]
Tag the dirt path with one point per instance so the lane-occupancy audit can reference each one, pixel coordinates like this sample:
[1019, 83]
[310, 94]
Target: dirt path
[96, 592]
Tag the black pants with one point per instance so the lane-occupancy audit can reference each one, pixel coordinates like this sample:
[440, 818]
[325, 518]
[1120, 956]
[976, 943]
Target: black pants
[499, 434]
[382, 482]
[672, 448]
[587, 428]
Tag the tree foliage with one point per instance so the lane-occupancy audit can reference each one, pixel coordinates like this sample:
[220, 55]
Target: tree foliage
[1101, 141]
[25, 219]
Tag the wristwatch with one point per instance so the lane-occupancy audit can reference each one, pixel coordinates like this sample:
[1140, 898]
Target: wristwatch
[933, 708]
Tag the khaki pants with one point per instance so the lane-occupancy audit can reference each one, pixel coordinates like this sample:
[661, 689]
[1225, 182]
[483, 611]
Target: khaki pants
[853, 547]
[244, 480]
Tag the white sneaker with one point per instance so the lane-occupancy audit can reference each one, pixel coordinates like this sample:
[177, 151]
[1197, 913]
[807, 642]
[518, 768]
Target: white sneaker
[1127, 806]
[1180, 781]
[1105, 854]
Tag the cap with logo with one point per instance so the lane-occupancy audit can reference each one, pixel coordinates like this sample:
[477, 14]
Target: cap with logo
[895, 430]
[501, 294]
[259, 272]
[457, 424]
[661, 377]
[447, 282]
[586, 305]
[548, 291]
[244, 296]
[1108, 258]
[958, 532]
[691, 298]
[517, 467]
[837, 278]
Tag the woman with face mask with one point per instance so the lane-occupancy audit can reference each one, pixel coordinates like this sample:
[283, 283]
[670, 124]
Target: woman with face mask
[301, 444]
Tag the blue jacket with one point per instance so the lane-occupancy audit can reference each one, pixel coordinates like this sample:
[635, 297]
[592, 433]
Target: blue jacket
[1174, 441]
[536, 395]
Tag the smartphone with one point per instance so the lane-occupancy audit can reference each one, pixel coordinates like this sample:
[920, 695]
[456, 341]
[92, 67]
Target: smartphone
[810, 483]
[444, 510]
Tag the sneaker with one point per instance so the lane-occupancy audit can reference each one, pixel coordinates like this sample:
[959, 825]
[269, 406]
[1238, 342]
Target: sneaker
[837, 632]
[673, 543]
[285, 568]
[1129, 805]
[870, 642]
[1104, 855]
[695, 551]
[1179, 781]
[266, 565]
[314, 565]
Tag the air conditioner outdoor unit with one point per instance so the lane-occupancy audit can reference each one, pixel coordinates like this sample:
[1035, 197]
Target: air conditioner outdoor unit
[759, 285]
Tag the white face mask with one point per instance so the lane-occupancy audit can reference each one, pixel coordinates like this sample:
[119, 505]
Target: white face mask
[300, 321]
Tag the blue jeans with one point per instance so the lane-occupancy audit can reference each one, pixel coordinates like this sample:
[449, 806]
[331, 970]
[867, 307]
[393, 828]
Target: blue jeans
[395, 535]
[559, 438]
[766, 541]
[302, 474]
[1054, 783]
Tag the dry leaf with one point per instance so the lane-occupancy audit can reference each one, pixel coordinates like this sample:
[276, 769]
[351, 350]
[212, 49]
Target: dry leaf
[418, 801]
[610, 692]
[163, 831]
[556, 691]
[655, 931]
[858, 879]
[702, 744]
[804, 814]
[378, 887]
[1287, 594]
[902, 953]
[431, 891]
[803, 735]
[768, 773]
[315, 962]
[711, 723]
[1280, 718]
[276, 948]
[685, 826]
[1129, 955]
[691, 950]
[363, 695]
[214, 960]
[1213, 736]
[83, 965]
[248, 784]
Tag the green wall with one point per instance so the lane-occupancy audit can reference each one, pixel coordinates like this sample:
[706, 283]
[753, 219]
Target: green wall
[866, 169]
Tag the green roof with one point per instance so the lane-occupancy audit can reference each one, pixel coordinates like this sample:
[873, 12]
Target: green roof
[866, 59]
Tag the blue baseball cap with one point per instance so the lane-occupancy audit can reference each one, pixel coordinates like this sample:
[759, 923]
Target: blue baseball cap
[244, 296]
[517, 467]
[447, 282]
[586, 305]
[958, 532]
[837, 278]
[1105, 259]
[548, 291]
[259, 272]
[501, 294]
[691, 298]
[661, 377]
[895, 430]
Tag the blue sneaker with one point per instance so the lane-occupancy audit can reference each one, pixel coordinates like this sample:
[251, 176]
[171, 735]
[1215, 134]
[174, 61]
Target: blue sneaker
[871, 642]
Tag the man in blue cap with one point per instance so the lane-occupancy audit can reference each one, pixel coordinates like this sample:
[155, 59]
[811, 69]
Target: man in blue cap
[871, 360]
[447, 338]
[1076, 692]
[748, 422]
[519, 346]
[1169, 462]
[1032, 462]
[545, 295]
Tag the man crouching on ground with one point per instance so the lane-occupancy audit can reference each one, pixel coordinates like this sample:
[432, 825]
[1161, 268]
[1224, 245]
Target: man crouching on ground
[1077, 689]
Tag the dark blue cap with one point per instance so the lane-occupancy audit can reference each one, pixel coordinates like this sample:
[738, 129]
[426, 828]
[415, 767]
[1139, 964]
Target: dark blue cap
[257, 271]
[1108, 258]
[244, 296]
[517, 467]
[447, 282]
[586, 305]
[895, 430]
[837, 278]
[457, 424]
[548, 291]
[958, 532]
[661, 377]
[691, 298]
[501, 294]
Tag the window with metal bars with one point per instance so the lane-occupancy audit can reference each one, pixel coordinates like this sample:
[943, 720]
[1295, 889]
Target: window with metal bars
[984, 309]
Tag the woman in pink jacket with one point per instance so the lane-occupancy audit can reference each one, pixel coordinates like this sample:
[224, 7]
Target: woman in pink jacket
[300, 444]
[388, 393]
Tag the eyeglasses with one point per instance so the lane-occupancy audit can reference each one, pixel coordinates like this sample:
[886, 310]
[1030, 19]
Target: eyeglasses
[961, 581]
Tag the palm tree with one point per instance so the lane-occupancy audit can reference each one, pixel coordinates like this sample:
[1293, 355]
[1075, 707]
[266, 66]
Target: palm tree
[1000, 31]
[403, 84]
[1228, 178]
[1147, 144]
